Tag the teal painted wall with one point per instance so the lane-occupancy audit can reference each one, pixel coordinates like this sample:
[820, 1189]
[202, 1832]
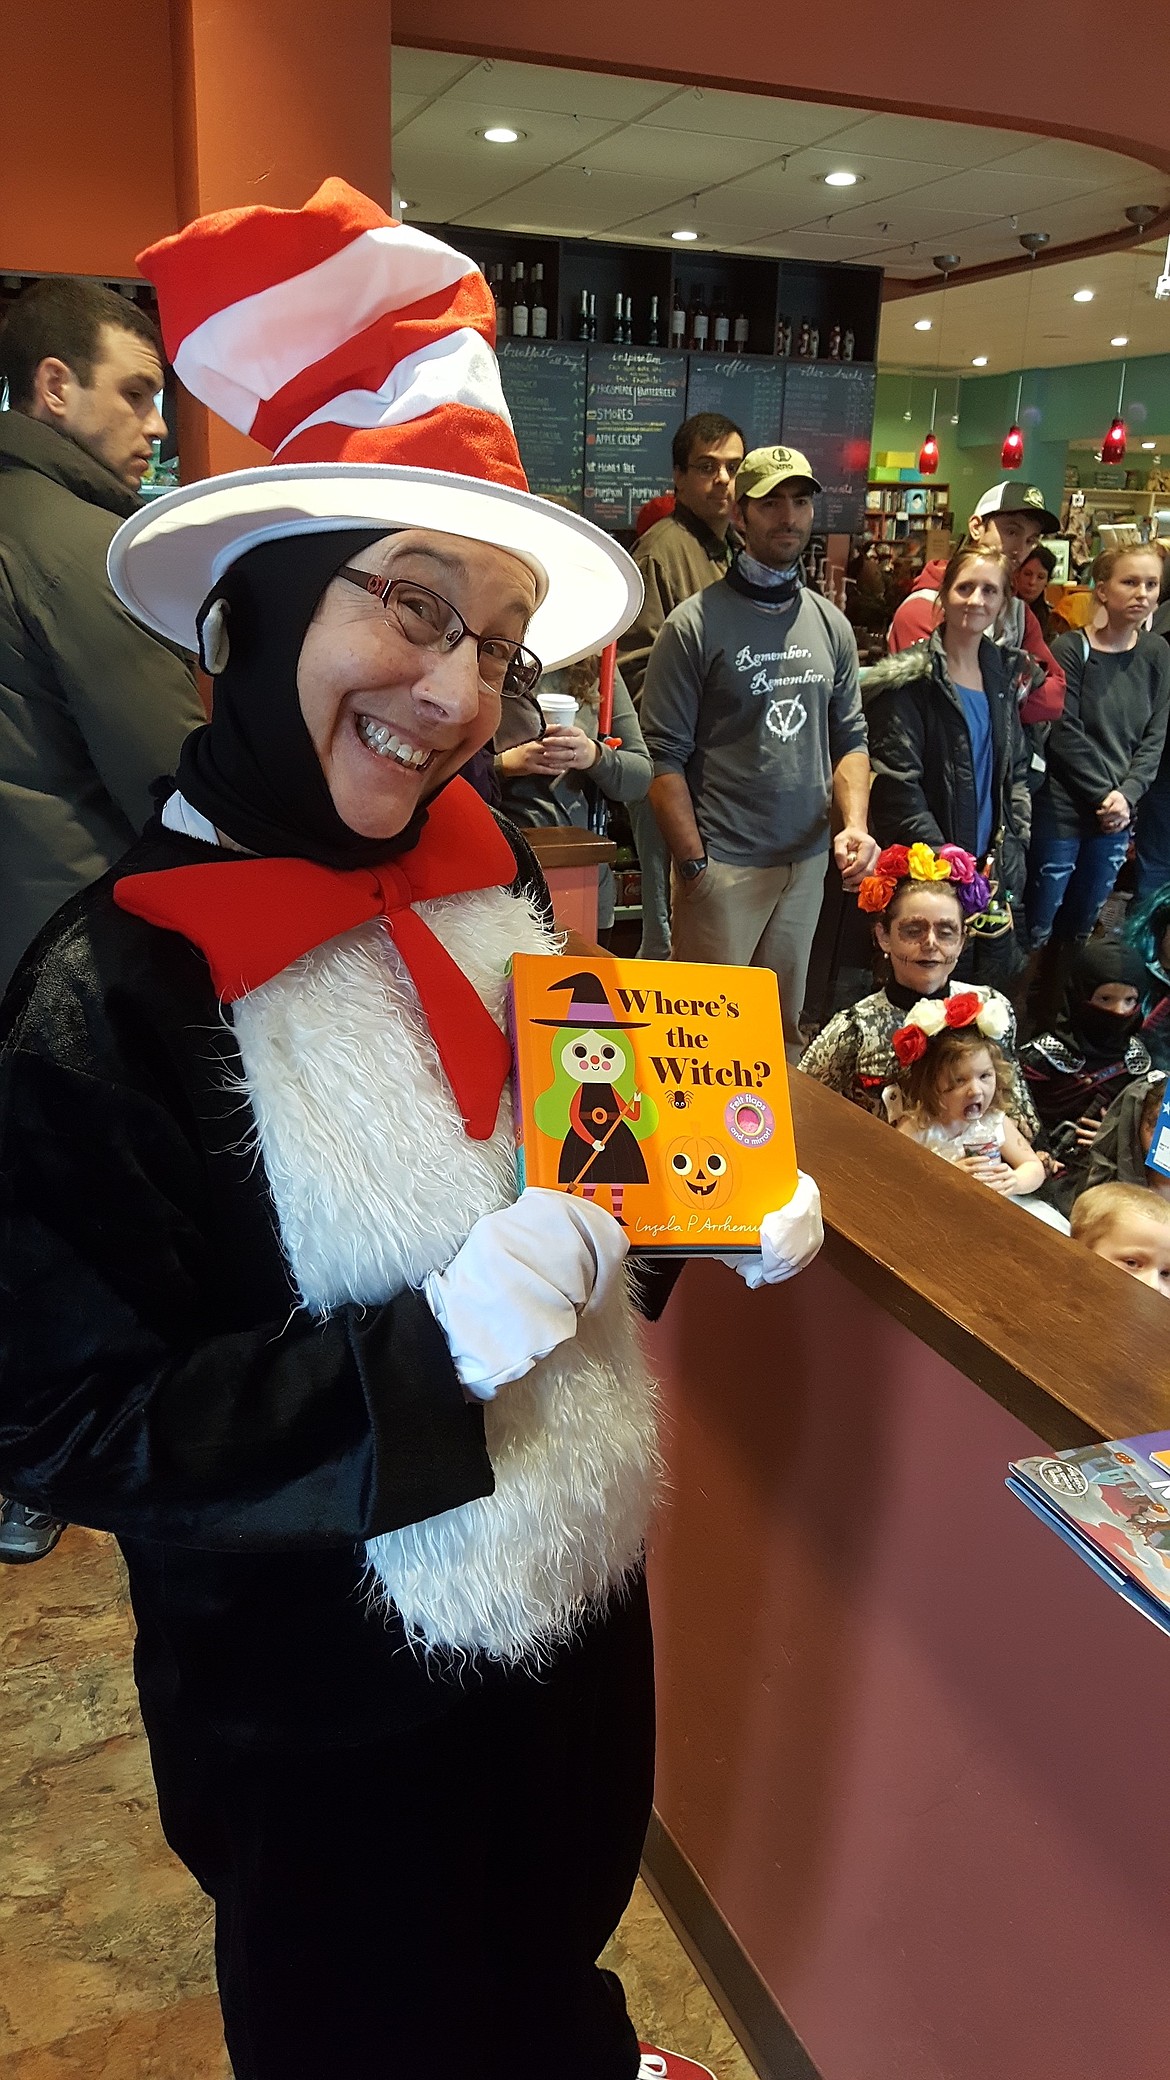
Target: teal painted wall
[1058, 405]
[893, 434]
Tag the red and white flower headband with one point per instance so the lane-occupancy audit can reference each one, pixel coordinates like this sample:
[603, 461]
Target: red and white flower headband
[933, 1015]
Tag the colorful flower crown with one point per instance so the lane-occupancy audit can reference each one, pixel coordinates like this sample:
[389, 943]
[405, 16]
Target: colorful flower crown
[920, 863]
[932, 1015]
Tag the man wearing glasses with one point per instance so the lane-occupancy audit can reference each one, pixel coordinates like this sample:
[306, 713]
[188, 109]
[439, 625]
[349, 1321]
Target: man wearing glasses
[679, 556]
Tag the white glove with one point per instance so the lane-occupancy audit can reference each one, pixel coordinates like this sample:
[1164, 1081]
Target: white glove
[515, 1289]
[789, 1239]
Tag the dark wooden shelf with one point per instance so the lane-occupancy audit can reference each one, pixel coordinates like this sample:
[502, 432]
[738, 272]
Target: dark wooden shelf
[825, 294]
[1063, 1340]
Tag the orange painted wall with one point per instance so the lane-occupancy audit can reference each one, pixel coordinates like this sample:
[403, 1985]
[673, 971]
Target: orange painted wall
[270, 98]
[86, 156]
[995, 63]
[120, 119]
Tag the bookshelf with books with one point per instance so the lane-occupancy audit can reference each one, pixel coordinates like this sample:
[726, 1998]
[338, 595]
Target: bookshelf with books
[907, 512]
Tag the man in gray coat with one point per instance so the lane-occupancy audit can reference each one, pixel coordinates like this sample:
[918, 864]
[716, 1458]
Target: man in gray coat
[92, 708]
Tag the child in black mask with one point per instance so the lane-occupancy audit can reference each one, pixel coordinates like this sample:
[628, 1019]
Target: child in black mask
[1075, 1071]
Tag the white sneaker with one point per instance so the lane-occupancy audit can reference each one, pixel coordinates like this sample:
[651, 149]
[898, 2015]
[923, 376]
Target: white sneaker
[670, 2065]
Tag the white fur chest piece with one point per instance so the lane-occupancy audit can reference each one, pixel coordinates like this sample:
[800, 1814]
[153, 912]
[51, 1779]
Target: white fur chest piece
[375, 1184]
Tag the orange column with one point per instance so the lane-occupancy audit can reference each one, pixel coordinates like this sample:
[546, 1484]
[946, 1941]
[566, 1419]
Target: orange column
[268, 100]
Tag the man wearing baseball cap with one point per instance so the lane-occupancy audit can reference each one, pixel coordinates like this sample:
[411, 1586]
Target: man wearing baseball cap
[1011, 517]
[752, 715]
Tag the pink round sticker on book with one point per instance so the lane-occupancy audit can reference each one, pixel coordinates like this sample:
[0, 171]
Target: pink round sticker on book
[749, 1119]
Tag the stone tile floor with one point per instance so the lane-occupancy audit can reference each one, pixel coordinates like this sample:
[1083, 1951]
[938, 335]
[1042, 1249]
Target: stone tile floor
[105, 1940]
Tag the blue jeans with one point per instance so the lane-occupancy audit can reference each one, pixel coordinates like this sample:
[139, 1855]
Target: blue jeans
[1153, 836]
[1070, 874]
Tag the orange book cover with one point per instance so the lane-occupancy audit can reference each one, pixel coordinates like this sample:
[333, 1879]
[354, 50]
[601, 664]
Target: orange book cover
[658, 1088]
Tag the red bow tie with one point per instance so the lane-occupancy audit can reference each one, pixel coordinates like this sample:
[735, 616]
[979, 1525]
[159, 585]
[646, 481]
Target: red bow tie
[252, 918]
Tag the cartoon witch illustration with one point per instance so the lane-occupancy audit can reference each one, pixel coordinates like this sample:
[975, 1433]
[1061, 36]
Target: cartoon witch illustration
[592, 1106]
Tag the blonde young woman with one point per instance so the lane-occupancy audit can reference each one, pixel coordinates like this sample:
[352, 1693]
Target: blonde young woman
[1104, 752]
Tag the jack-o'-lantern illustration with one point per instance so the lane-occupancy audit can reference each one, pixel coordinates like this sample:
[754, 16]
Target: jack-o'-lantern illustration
[699, 1171]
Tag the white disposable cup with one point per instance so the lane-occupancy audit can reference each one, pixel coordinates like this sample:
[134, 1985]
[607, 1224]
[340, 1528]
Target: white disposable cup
[559, 709]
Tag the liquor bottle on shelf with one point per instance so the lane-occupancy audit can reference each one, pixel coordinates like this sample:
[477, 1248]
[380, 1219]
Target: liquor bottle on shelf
[628, 321]
[847, 344]
[783, 336]
[834, 342]
[538, 316]
[720, 325]
[740, 331]
[500, 300]
[592, 314]
[678, 320]
[700, 322]
[581, 321]
[803, 337]
[519, 303]
[814, 342]
[652, 335]
[617, 334]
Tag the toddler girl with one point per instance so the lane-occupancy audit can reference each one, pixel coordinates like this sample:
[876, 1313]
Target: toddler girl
[955, 1084]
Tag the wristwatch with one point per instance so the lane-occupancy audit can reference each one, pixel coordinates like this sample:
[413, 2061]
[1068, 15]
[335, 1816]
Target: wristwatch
[690, 869]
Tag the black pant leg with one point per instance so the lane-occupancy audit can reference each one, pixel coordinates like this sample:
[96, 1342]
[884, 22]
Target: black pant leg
[446, 1890]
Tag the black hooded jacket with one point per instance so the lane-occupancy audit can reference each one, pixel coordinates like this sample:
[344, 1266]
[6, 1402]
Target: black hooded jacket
[920, 751]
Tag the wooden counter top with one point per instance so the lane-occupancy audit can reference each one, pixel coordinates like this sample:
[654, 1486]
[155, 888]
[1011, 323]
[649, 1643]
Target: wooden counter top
[1069, 1344]
[563, 845]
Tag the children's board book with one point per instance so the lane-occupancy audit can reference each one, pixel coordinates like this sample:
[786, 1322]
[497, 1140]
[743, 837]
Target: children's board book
[1111, 1504]
[658, 1088]
[1159, 1154]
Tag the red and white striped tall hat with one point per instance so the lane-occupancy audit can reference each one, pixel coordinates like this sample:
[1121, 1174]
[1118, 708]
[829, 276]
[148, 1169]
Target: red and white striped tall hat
[361, 353]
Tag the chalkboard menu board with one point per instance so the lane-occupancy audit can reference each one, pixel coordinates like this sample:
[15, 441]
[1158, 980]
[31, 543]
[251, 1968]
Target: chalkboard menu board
[828, 415]
[544, 384]
[748, 388]
[635, 402]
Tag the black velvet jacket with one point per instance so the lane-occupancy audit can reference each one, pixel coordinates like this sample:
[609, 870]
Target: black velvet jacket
[158, 1376]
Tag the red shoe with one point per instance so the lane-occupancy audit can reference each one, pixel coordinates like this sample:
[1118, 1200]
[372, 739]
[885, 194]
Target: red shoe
[670, 2065]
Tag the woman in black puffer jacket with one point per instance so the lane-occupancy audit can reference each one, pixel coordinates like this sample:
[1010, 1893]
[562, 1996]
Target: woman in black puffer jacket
[949, 756]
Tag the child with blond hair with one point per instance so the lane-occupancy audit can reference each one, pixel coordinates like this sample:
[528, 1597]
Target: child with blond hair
[1129, 1227]
[953, 1085]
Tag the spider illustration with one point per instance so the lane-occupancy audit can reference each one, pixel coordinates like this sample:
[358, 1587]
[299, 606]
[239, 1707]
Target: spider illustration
[680, 1100]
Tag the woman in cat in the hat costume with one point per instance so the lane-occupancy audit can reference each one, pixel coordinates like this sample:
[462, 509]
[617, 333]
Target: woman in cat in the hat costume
[375, 1437]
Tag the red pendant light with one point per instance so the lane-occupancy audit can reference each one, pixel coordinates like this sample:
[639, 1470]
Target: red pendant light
[1113, 445]
[928, 452]
[1011, 454]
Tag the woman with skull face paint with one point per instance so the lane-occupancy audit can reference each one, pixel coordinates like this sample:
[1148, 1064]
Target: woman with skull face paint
[919, 926]
[375, 1436]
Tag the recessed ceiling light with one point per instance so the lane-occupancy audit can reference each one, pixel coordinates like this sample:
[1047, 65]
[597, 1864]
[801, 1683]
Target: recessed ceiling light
[685, 238]
[841, 180]
[1149, 444]
[922, 324]
[1082, 296]
[403, 203]
[979, 361]
[500, 134]
[1120, 339]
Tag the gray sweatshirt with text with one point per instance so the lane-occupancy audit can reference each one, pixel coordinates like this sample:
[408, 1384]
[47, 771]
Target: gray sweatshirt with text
[754, 704]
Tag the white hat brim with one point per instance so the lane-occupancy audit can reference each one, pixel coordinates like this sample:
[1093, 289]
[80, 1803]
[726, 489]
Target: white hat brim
[165, 560]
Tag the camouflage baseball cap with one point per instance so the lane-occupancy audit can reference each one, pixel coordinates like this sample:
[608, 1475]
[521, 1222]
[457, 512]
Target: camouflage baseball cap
[765, 469]
[1018, 498]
